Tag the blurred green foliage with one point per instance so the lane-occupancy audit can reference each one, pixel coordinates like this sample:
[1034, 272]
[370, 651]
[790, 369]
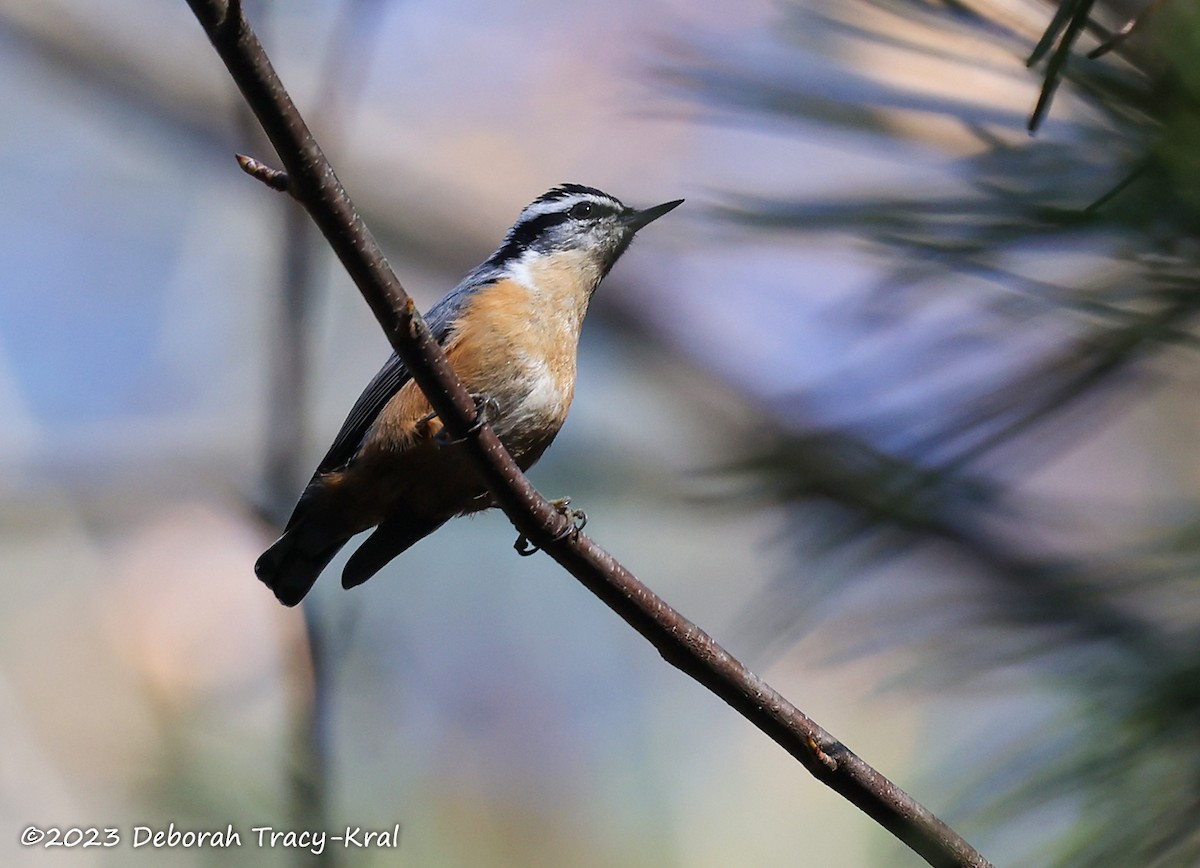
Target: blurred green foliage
[1080, 243]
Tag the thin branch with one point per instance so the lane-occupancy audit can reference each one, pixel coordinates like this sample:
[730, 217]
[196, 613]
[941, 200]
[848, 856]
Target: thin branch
[681, 643]
[346, 61]
[276, 179]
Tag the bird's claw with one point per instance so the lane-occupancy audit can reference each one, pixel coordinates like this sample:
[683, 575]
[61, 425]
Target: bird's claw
[562, 505]
[577, 516]
[483, 402]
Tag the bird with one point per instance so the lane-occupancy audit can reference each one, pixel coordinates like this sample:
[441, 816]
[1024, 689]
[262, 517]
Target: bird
[511, 332]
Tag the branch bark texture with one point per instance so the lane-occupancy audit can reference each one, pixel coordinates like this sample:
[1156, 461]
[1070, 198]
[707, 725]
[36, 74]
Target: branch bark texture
[311, 180]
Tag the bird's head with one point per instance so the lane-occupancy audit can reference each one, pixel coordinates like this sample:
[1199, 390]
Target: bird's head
[575, 219]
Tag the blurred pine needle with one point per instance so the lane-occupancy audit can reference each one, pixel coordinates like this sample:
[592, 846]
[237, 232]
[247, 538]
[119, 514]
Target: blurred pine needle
[1112, 183]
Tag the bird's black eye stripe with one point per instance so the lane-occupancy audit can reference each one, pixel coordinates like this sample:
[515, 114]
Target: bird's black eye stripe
[524, 233]
[527, 231]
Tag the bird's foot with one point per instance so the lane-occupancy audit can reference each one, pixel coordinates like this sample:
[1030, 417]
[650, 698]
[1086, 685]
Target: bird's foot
[578, 520]
[577, 516]
[483, 404]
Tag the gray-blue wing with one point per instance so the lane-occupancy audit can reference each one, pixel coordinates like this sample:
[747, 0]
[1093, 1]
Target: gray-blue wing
[379, 391]
[392, 376]
[292, 564]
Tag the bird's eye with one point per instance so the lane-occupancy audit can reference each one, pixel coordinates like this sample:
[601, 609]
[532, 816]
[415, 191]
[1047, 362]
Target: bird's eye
[580, 210]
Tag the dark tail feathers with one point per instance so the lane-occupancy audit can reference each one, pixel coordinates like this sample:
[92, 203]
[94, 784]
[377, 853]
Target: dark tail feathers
[393, 536]
[290, 571]
[290, 568]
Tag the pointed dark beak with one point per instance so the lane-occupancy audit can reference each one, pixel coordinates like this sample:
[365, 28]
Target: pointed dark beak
[636, 220]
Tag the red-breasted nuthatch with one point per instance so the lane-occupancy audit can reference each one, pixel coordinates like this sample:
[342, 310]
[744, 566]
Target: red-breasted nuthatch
[511, 332]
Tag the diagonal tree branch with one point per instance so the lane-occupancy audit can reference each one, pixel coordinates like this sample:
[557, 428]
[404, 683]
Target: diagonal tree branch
[312, 182]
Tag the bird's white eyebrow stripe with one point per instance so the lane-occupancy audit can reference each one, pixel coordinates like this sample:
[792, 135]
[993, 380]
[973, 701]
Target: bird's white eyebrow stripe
[557, 206]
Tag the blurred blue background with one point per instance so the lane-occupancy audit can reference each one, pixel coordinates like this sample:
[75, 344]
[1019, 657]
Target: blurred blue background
[875, 408]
